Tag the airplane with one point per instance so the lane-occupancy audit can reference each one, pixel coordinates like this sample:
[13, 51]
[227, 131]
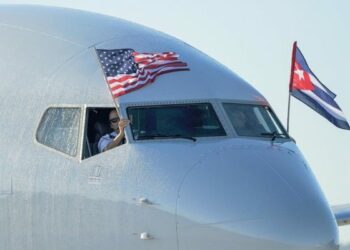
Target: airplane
[187, 178]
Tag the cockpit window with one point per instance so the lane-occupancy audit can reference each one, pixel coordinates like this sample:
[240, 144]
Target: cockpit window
[254, 120]
[59, 129]
[186, 121]
[97, 126]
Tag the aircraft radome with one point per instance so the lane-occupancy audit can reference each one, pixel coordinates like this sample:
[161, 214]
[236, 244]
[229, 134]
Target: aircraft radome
[188, 177]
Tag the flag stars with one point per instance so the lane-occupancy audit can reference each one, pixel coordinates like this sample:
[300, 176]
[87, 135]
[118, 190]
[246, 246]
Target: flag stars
[120, 61]
[300, 73]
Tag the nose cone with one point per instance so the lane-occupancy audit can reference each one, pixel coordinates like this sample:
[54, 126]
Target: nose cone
[259, 196]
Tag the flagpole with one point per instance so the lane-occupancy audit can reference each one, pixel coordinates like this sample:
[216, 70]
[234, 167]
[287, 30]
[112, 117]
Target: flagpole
[291, 82]
[105, 78]
[288, 113]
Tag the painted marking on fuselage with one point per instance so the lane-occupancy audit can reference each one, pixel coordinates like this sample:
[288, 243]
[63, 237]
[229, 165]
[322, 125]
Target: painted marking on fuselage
[96, 177]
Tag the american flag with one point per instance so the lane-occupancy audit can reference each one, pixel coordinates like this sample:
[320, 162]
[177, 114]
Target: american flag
[127, 70]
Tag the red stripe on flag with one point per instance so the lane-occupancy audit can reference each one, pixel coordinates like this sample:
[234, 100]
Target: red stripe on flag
[172, 64]
[143, 75]
[148, 61]
[140, 58]
[119, 79]
[145, 78]
[150, 80]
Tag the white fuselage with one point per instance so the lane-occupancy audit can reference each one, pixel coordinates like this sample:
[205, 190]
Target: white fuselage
[176, 194]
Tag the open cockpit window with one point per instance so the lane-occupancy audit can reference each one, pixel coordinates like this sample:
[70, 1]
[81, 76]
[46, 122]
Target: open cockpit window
[59, 129]
[186, 121]
[98, 125]
[254, 120]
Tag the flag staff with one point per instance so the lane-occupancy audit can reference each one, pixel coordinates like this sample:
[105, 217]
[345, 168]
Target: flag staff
[291, 82]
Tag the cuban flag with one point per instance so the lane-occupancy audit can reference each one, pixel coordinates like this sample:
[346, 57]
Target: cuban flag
[306, 87]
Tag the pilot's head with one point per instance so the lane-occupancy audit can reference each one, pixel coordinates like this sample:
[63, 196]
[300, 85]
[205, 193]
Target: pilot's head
[114, 120]
[238, 119]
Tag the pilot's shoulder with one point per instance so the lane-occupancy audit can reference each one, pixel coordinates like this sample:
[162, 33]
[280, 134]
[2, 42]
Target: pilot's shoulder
[109, 136]
[105, 136]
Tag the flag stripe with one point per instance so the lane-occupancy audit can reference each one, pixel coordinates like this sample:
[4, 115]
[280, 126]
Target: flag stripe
[141, 75]
[139, 84]
[306, 99]
[121, 78]
[145, 79]
[330, 109]
[171, 64]
[317, 83]
[325, 97]
[144, 63]
[144, 76]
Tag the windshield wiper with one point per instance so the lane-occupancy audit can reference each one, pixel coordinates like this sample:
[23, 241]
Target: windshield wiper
[274, 135]
[155, 136]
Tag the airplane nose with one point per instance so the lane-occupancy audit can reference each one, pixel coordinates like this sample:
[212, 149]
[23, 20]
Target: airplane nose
[254, 197]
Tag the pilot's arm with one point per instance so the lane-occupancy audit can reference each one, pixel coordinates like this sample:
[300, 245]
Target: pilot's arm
[120, 136]
[116, 141]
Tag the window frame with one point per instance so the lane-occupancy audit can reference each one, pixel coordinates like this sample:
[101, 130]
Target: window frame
[80, 130]
[254, 103]
[87, 108]
[213, 102]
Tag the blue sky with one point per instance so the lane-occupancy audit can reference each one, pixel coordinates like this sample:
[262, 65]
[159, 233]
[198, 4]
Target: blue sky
[254, 38]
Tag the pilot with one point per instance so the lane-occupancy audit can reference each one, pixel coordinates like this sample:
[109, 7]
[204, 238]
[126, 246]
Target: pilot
[116, 138]
[240, 123]
[245, 126]
[239, 119]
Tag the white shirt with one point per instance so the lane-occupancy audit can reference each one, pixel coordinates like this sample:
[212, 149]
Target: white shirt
[105, 140]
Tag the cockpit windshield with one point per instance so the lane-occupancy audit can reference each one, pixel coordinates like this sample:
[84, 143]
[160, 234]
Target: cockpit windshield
[185, 121]
[254, 121]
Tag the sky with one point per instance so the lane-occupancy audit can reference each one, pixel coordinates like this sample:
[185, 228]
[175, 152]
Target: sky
[254, 39]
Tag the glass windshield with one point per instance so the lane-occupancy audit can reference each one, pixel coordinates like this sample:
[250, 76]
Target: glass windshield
[254, 120]
[185, 121]
[59, 129]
